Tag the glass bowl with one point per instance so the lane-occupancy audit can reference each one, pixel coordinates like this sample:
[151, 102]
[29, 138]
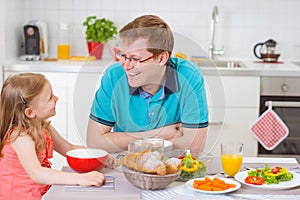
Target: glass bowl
[199, 168]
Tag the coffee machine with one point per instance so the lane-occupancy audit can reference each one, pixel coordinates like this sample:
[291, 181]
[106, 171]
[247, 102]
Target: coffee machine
[35, 40]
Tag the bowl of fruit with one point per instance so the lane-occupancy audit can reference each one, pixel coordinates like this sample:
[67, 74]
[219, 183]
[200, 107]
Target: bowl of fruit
[193, 165]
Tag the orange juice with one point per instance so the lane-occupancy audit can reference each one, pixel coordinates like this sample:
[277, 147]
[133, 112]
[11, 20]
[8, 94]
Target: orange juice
[231, 163]
[63, 51]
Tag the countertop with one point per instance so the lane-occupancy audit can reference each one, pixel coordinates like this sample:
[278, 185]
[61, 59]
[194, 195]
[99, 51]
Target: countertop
[251, 68]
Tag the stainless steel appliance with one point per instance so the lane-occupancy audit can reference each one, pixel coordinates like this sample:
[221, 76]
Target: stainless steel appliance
[284, 92]
[35, 40]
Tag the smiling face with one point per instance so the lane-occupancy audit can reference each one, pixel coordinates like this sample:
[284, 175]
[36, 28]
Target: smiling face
[148, 75]
[43, 105]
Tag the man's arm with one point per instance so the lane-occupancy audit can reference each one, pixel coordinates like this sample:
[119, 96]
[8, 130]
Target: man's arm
[100, 136]
[192, 138]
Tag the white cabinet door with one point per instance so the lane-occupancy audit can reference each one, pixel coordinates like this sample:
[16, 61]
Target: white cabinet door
[81, 91]
[232, 91]
[59, 86]
[233, 105]
[234, 128]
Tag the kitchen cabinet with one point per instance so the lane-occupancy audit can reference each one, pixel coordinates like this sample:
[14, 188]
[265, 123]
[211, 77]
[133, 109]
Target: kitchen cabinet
[233, 105]
[81, 90]
[75, 92]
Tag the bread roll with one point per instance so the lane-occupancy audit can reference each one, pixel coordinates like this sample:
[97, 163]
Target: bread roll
[151, 162]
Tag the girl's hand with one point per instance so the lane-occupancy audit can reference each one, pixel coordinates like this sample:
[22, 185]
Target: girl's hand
[91, 178]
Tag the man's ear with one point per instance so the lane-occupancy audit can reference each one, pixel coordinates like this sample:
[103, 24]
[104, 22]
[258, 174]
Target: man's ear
[164, 57]
[29, 113]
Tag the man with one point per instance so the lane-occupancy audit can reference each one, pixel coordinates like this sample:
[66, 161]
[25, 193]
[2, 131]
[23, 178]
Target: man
[148, 93]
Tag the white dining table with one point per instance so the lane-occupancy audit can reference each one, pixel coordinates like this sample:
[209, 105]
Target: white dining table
[177, 190]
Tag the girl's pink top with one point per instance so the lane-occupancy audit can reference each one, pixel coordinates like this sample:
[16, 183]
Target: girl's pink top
[15, 183]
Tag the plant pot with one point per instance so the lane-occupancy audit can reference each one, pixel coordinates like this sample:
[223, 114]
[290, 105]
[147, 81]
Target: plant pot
[95, 49]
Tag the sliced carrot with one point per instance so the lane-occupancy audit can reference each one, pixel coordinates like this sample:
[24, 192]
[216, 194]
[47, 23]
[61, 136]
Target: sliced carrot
[208, 184]
[217, 189]
[206, 187]
[195, 185]
[207, 179]
[218, 180]
[220, 185]
[212, 185]
[200, 181]
[230, 185]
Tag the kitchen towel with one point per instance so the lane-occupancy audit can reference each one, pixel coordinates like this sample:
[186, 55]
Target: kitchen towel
[269, 129]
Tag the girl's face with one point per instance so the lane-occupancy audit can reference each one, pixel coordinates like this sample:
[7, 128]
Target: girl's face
[44, 104]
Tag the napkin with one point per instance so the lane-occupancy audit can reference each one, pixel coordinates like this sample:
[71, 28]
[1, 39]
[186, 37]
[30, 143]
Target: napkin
[269, 129]
[108, 186]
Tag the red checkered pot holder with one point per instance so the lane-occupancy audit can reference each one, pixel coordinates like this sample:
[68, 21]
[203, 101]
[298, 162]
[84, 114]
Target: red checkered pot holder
[269, 129]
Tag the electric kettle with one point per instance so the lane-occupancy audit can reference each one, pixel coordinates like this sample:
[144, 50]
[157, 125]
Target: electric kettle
[266, 51]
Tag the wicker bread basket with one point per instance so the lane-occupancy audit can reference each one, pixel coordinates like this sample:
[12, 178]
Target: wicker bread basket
[149, 181]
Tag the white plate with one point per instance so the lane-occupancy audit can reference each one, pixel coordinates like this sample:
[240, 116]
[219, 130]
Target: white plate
[281, 186]
[189, 185]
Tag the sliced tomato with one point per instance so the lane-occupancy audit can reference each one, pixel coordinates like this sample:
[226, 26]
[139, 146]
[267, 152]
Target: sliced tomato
[182, 157]
[255, 180]
[275, 170]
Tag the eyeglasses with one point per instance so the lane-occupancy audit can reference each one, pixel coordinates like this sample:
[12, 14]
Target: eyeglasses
[133, 60]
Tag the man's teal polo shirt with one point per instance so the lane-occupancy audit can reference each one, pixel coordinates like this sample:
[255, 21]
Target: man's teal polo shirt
[181, 100]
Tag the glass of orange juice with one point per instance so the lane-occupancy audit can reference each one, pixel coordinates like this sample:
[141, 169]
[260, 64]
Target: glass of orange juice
[232, 157]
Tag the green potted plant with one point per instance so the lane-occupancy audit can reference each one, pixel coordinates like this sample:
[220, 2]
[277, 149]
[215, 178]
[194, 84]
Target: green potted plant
[98, 31]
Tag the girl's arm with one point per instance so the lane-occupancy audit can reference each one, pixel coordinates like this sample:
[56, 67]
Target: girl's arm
[25, 149]
[60, 144]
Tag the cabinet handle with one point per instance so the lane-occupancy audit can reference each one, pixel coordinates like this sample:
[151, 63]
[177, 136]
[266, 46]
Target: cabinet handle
[215, 123]
[283, 104]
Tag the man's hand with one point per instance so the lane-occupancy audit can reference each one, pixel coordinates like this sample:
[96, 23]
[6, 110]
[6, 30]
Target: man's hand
[170, 132]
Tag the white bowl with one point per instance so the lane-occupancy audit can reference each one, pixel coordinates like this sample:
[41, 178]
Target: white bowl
[143, 144]
[168, 145]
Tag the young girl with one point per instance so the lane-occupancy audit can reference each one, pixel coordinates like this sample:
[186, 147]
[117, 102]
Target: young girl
[27, 140]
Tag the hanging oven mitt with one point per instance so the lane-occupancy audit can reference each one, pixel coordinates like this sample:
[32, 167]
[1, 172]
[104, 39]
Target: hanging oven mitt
[269, 129]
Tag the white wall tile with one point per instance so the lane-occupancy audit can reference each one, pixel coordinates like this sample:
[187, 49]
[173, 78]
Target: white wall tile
[38, 4]
[27, 4]
[79, 16]
[64, 4]
[110, 5]
[65, 16]
[13, 28]
[79, 5]
[243, 23]
[94, 4]
[52, 5]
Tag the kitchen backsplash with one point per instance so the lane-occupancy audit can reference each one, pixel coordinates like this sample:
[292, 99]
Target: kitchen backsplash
[242, 24]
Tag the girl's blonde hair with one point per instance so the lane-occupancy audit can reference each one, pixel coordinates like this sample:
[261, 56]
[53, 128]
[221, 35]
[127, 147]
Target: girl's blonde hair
[17, 93]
